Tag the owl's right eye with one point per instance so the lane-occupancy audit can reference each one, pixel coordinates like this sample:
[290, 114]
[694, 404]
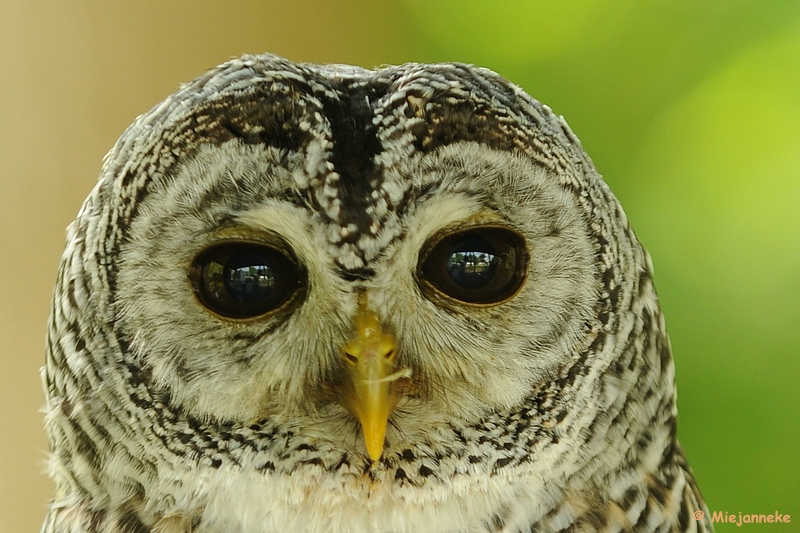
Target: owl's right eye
[243, 279]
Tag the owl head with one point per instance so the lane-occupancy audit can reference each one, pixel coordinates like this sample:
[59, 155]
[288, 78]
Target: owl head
[289, 266]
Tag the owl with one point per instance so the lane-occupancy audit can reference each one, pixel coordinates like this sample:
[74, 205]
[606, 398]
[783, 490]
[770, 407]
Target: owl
[319, 298]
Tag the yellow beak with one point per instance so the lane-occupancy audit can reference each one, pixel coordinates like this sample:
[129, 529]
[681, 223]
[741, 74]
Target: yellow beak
[371, 391]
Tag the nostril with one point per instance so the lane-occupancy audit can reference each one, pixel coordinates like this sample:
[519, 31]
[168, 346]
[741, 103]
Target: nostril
[350, 358]
[389, 354]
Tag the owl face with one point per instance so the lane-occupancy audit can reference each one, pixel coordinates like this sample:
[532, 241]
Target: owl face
[241, 295]
[320, 298]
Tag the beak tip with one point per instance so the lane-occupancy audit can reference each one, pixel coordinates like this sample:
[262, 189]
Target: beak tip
[375, 449]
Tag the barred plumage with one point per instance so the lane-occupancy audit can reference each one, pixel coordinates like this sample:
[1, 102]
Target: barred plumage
[274, 232]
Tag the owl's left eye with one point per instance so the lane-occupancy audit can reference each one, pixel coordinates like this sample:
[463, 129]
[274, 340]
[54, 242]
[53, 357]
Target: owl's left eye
[482, 265]
[244, 279]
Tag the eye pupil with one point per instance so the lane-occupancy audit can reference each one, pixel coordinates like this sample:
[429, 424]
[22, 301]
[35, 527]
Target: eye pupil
[472, 263]
[244, 279]
[481, 266]
[249, 277]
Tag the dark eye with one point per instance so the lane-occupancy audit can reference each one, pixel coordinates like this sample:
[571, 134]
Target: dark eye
[244, 279]
[480, 266]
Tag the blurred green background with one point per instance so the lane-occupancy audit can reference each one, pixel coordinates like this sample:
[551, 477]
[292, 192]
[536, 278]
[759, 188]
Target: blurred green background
[690, 109]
